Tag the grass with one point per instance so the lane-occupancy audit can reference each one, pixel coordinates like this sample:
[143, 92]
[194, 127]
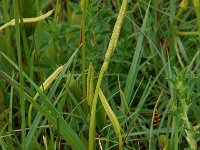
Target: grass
[128, 75]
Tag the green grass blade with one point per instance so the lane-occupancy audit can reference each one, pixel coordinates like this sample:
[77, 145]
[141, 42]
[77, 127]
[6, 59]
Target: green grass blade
[22, 104]
[131, 79]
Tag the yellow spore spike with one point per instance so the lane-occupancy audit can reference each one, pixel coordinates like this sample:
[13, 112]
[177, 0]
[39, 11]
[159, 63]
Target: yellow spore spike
[184, 4]
[112, 117]
[43, 87]
[27, 20]
[116, 32]
[90, 85]
[50, 79]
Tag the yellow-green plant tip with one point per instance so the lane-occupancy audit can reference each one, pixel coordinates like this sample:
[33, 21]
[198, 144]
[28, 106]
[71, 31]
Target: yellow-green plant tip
[190, 137]
[43, 87]
[163, 142]
[83, 5]
[184, 4]
[112, 117]
[196, 3]
[73, 87]
[189, 33]
[50, 79]
[27, 20]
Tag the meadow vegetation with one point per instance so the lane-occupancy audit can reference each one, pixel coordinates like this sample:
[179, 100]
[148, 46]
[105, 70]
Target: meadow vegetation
[99, 74]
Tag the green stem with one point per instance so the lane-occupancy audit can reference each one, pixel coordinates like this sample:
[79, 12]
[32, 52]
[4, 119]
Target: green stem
[8, 35]
[37, 7]
[57, 9]
[189, 128]
[24, 39]
[176, 124]
[83, 30]
[93, 112]
[176, 132]
[183, 6]
[22, 105]
[169, 120]
[196, 4]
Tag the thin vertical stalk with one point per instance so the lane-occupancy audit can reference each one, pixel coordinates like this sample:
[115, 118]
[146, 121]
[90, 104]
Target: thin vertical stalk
[169, 120]
[176, 127]
[196, 4]
[11, 108]
[23, 34]
[22, 105]
[57, 9]
[177, 52]
[68, 11]
[151, 136]
[37, 7]
[118, 5]
[83, 30]
[9, 51]
[109, 52]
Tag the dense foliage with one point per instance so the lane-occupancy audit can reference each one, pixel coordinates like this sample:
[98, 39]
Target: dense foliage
[151, 82]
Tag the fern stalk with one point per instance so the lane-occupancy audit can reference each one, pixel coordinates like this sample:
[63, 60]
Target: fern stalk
[109, 52]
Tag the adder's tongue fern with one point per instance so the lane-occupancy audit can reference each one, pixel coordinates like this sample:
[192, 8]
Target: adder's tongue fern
[110, 50]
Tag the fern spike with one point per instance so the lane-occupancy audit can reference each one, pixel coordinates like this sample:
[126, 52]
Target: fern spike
[90, 88]
[112, 117]
[110, 51]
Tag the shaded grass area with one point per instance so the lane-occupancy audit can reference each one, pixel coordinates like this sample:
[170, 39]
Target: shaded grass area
[152, 81]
